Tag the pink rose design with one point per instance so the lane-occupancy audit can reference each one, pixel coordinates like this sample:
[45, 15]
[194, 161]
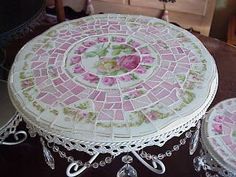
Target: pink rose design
[134, 43]
[108, 81]
[144, 50]
[148, 59]
[129, 62]
[219, 118]
[126, 78]
[75, 59]
[78, 69]
[152, 115]
[81, 50]
[91, 78]
[118, 39]
[89, 43]
[217, 128]
[102, 39]
[26, 83]
[141, 70]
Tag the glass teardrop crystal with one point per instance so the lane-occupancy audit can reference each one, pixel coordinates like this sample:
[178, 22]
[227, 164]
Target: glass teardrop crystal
[48, 157]
[127, 171]
[194, 142]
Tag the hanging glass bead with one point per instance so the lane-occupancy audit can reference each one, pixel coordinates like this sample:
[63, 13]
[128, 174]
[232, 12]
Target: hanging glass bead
[95, 165]
[127, 159]
[127, 171]
[108, 159]
[194, 142]
[197, 163]
[48, 156]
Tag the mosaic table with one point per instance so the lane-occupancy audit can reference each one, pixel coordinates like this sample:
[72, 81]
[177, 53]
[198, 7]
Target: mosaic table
[112, 84]
[219, 140]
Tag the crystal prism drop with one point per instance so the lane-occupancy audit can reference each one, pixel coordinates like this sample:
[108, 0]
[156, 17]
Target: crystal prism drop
[127, 171]
[194, 142]
[48, 156]
[197, 163]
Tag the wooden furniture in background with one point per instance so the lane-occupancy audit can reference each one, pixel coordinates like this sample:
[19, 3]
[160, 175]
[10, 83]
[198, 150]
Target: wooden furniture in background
[60, 10]
[196, 14]
[231, 38]
[187, 13]
[77, 5]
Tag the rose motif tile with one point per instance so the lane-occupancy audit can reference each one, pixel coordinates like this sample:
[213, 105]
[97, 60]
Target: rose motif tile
[105, 60]
[220, 131]
[135, 75]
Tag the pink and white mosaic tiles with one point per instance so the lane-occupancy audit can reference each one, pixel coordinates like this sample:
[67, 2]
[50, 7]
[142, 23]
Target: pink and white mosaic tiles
[112, 76]
[220, 133]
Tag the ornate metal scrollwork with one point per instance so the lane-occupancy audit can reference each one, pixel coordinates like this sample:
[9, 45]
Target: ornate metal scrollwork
[10, 129]
[75, 167]
[155, 163]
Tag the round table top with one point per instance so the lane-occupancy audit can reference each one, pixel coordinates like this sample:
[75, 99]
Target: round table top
[7, 110]
[113, 78]
[219, 133]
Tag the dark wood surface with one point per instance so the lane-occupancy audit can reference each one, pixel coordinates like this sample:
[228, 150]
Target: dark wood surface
[26, 159]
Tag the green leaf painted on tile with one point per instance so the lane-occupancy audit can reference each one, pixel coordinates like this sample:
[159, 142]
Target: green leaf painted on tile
[234, 133]
[52, 33]
[128, 50]
[91, 54]
[116, 52]
[188, 97]
[102, 52]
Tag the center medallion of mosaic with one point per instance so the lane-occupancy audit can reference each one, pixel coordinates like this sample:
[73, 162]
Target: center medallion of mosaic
[101, 61]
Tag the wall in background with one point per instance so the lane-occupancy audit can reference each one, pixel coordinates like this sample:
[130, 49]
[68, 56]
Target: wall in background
[224, 10]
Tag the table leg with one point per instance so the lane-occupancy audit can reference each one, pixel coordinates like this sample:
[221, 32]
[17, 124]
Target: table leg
[18, 139]
[60, 10]
[154, 169]
[10, 129]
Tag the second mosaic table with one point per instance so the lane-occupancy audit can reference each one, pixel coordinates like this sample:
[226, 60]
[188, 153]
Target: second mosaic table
[112, 84]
